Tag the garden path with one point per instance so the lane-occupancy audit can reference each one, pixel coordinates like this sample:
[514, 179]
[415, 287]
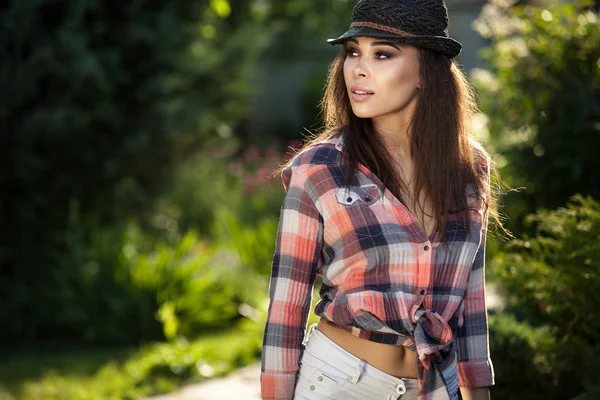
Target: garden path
[242, 384]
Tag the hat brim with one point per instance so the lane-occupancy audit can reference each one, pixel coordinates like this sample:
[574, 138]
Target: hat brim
[447, 46]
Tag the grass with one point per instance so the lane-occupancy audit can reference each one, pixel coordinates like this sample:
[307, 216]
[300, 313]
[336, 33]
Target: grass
[129, 373]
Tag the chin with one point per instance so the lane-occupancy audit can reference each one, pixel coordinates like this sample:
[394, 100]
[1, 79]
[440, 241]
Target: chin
[362, 113]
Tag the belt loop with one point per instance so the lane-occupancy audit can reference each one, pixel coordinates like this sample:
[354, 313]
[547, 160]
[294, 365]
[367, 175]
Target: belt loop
[309, 332]
[360, 367]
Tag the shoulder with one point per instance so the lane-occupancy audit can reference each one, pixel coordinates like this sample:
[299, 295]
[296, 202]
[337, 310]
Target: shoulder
[309, 162]
[324, 153]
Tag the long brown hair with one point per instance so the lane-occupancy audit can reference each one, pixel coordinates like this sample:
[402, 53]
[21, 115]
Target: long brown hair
[441, 136]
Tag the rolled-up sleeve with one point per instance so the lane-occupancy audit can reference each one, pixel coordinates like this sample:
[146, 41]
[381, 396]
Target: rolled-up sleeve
[295, 264]
[475, 367]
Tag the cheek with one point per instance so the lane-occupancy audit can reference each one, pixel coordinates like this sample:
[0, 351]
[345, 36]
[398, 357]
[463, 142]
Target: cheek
[412, 74]
[404, 78]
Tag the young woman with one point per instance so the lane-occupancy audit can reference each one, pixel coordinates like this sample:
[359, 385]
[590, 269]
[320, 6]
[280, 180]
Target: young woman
[389, 205]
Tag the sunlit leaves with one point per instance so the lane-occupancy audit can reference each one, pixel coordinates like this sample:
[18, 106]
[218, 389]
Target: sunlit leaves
[543, 95]
[221, 7]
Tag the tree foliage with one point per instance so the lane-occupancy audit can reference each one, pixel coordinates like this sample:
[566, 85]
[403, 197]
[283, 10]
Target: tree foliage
[553, 279]
[542, 96]
[518, 346]
[100, 100]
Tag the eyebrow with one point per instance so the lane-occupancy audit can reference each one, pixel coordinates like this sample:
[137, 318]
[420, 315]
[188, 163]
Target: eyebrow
[378, 43]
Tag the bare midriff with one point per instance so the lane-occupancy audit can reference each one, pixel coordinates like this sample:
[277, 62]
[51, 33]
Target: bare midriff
[394, 360]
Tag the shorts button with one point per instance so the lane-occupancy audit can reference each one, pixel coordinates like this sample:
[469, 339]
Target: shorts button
[349, 199]
[401, 388]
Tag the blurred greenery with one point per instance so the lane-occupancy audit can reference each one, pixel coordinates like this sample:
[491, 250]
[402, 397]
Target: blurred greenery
[541, 96]
[552, 280]
[540, 102]
[128, 374]
[100, 102]
[518, 346]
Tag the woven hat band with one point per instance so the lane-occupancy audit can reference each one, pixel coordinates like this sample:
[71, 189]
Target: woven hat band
[379, 27]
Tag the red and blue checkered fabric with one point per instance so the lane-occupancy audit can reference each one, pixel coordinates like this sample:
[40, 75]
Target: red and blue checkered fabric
[383, 279]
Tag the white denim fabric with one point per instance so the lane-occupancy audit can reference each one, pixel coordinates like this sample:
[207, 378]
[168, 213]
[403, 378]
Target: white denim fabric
[329, 372]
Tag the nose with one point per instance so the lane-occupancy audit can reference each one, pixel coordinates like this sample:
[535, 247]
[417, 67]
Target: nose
[360, 69]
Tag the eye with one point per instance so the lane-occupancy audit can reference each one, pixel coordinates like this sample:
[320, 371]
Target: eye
[350, 52]
[380, 55]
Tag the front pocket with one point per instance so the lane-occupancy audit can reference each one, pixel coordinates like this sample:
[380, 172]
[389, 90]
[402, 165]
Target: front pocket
[367, 195]
[358, 210]
[333, 374]
[308, 370]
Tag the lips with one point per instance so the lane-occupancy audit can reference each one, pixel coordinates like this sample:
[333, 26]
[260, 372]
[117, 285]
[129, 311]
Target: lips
[361, 93]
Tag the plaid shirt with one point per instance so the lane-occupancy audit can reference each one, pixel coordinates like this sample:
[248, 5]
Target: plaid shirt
[383, 279]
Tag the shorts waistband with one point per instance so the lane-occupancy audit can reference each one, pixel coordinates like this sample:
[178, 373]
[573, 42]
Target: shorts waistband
[321, 347]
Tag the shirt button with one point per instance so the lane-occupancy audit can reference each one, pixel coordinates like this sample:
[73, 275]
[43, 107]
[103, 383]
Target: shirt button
[423, 291]
[349, 199]
[426, 248]
[367, 198]
[312, 387]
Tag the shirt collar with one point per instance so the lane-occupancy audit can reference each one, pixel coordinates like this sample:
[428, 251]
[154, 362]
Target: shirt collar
[337, 140]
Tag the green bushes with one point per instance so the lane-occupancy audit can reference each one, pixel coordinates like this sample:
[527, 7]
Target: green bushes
[523, 359]
[553, 280]
[556, 273]
[191, 271]
[82, 129]
[128, 375]
[205, 293]
[552, 283]
[542, 97]
[100, 101]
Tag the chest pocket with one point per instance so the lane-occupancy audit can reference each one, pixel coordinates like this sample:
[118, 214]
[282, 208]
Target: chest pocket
[358, 195]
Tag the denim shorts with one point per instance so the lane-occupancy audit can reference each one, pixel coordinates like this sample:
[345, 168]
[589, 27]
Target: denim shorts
[329, 372]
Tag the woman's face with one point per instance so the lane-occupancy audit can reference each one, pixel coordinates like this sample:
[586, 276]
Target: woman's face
[382, 77]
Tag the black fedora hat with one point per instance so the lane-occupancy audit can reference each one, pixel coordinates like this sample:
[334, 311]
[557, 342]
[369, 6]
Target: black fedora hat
[422, 23]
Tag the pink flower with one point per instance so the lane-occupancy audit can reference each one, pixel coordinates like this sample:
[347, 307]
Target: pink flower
[252, 154]
[272, 152]
[263, 174]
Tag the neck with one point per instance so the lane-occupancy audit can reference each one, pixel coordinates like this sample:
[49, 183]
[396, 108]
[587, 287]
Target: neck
[394, 131]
